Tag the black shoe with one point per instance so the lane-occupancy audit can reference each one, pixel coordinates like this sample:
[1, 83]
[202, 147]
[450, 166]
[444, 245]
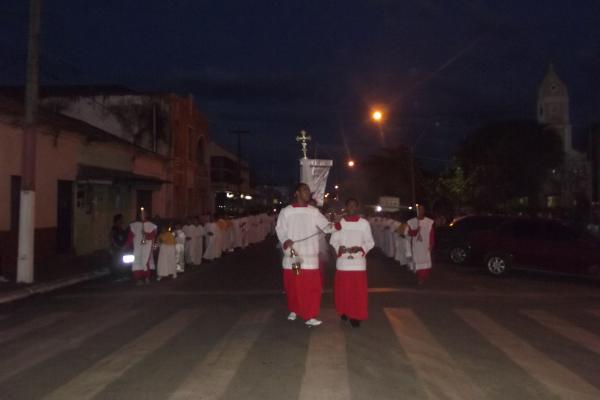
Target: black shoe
[355, 323]
[344, 317]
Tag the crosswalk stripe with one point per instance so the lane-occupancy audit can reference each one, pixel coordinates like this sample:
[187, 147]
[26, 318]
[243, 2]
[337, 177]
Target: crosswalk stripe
[31, 326]
[211, 377]
[93, 380]
[578, 335]
[48, 348]
[557, 378]
[437, 371]
[326, 368]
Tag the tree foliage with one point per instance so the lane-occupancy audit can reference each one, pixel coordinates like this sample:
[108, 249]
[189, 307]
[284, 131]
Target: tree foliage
[508, 160]
[453, 187]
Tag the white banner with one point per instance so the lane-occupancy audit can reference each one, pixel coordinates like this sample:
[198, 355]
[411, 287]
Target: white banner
[314, 173]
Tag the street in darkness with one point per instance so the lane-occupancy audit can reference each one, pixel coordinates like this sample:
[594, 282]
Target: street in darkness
[220, 332]
[240, 200]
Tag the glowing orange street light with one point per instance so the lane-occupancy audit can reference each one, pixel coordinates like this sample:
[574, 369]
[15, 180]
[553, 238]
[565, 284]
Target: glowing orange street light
[377, 116]
[351, 163]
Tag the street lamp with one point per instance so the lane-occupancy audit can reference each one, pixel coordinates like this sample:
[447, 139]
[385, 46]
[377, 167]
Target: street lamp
[377, 117]
[351, 163]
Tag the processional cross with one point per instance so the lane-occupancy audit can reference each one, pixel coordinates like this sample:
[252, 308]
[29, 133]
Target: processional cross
[303, 139]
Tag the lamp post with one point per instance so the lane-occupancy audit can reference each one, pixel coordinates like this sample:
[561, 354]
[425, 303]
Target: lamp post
[412, 167]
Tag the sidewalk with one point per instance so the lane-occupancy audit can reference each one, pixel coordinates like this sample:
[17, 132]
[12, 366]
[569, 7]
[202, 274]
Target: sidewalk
[56, 274]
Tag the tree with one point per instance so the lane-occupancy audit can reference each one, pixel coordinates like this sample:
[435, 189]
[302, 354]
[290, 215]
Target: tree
[453, 187]
[506, 161]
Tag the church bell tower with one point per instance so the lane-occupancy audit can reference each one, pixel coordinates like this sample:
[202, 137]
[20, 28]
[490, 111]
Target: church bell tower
[553, 107]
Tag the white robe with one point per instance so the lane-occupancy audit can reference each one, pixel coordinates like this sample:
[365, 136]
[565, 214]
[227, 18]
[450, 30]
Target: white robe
[187, 230]
[180, 250]
[303, 225]
[389, 240]
[167, 261]
[376, 228]
[353, 234]
[420, 244]
[402, 250]
[195, 246]
[213, 242]
[143, 257]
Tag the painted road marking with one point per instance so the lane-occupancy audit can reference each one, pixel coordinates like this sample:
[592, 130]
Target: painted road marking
[557, 378]
[326, 368]
[93, 380]
[437, 370]
[211, 377]
[564, 328]
[30, 326]
[47, 348]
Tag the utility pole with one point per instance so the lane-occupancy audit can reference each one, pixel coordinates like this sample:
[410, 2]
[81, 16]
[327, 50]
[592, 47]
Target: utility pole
[28, 154]
[412, 176]
[239, 133]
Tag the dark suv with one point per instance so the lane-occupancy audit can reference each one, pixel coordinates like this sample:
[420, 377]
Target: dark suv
[538, 244]
[455, 241]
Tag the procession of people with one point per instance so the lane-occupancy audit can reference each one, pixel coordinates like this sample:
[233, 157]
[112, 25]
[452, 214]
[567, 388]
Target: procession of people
[306, 238]
[164, 249]
[410, 242]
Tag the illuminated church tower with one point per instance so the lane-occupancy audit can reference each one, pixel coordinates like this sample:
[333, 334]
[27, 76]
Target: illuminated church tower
[553, 107]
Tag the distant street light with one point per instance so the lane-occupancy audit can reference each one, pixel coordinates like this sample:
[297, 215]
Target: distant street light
[336, 187]
[377, 116]
[351, 163]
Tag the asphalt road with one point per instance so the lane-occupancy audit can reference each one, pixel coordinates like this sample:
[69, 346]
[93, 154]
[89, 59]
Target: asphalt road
[220, 332]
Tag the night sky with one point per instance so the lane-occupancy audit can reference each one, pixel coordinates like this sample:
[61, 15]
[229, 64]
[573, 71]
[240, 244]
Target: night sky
[439, 67]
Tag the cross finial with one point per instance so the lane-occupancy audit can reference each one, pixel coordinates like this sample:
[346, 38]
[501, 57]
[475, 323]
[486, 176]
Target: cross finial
[303, 139]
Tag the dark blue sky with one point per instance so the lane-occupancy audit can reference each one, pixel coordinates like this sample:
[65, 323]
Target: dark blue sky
[441, 67]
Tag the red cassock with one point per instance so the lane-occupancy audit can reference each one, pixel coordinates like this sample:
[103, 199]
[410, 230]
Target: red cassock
[302, 224]
[351, 294]
[352, 242]
[303, 292]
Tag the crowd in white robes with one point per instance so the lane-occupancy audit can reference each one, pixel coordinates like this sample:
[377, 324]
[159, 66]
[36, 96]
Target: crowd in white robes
[390, 236]
[410, 243]
[192, 243]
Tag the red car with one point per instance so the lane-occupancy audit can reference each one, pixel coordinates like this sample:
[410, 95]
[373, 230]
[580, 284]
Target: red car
[538, 244]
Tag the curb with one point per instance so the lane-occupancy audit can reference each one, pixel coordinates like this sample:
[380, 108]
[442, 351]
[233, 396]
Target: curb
[51, 286]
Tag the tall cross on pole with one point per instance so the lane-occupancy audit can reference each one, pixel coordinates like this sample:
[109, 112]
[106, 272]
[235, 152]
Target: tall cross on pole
[303, 139]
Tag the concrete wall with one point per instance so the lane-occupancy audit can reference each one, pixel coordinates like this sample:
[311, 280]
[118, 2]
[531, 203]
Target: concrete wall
[56, 156]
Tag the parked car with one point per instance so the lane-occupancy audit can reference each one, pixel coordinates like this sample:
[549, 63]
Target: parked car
[454, 241]
[538, 244]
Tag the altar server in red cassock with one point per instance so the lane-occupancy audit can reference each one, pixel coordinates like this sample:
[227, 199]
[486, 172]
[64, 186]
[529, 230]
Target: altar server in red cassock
[422, 238]
[141, 238]
[299, 226]
[352, 241]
